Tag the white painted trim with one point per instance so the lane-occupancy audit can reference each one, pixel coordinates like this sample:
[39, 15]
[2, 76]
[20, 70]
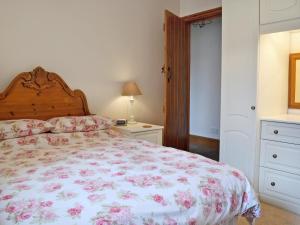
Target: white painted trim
[294, 111]
[280, 26]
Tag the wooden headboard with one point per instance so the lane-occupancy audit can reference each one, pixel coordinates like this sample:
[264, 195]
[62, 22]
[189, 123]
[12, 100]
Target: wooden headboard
[40, 95]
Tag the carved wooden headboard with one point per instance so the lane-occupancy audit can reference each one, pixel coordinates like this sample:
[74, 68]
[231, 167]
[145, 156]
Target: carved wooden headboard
[40, 95]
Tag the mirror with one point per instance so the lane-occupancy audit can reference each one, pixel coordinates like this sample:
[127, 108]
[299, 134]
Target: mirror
[294, 81]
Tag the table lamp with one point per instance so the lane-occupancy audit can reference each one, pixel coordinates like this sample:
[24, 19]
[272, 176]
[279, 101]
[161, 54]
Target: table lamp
[131, 89]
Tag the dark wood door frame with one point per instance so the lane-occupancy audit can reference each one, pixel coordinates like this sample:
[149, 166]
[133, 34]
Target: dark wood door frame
[203, 15]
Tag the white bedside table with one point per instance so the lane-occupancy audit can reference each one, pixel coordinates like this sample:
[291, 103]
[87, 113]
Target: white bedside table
[144, 131]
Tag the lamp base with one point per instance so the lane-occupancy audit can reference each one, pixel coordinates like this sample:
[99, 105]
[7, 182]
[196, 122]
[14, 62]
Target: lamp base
[131, 119]
[132, 122]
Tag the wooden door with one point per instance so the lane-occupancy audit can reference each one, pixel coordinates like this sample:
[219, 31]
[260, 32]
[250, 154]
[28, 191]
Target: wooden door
[176, 82]
[239, 81]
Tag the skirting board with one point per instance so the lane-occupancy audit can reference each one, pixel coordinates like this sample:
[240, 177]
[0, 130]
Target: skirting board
[280, 203]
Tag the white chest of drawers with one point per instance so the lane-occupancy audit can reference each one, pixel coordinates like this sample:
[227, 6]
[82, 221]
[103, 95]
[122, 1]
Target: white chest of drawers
[279, 181]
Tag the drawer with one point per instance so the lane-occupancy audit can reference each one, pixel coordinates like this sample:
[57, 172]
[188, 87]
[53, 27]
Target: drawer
[284, 132]
[151, 136]
[280, 185]
[280, 156]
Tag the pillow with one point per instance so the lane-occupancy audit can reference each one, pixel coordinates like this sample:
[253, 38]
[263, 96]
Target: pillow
[22, 128]
[68, 124]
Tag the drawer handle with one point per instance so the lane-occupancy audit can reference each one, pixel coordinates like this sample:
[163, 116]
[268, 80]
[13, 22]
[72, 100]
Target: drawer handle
[275, 156]
[273, 184]
[275, 131]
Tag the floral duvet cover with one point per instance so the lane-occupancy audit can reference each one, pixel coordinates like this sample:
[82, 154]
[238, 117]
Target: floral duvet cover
[101, 178]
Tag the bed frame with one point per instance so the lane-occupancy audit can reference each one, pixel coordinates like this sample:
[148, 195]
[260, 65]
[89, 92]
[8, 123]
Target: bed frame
[40, 95]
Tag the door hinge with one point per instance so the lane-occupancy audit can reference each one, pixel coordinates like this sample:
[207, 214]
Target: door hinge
[164, 27]
[163, 69]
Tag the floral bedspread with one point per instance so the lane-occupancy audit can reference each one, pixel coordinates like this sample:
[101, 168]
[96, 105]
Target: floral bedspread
[101, 178]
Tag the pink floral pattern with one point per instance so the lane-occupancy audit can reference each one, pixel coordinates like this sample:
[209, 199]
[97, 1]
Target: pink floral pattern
[75, 211]
[70, 124]
[22, 128]
[103, 178]
[184, 199]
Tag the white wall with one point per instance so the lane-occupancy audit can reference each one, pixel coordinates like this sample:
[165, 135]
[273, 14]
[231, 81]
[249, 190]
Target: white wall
[205, 92]
[188, 7]
[95, 45]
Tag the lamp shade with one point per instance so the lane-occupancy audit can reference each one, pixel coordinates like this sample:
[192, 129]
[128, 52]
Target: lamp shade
[131, 89]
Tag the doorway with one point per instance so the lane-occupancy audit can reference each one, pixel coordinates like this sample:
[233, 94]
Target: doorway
[176, 71]
[205, 87]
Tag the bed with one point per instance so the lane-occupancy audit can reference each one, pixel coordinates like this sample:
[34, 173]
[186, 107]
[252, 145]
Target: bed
[102, 177]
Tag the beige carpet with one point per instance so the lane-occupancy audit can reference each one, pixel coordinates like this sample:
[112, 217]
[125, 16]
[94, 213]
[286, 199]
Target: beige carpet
[274, 216]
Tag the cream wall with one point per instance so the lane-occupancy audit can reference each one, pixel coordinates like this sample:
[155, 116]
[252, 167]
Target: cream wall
[275, 49]
[95, 45]
[295, 48]
[188, 7]
[295, 41]
[273, 74]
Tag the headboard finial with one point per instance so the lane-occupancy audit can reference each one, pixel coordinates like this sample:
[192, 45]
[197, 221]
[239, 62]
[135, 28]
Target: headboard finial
[38, 80]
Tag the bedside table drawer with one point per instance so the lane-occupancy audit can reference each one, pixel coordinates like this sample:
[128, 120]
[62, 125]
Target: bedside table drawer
[151, 136]
[283, 132]
[280, 156]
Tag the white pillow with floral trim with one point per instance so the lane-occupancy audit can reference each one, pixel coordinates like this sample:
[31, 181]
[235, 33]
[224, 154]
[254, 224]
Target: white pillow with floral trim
[23, 127]
[68, 124]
